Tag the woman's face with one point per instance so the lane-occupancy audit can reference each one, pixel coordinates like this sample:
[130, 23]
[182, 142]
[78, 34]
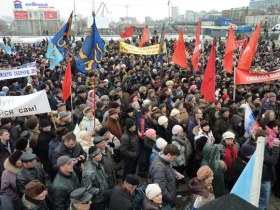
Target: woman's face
[271, 116]
[206, 128]
[165, 125]
[209, 179]
[87, 137]
[229, 141]
[158, 199]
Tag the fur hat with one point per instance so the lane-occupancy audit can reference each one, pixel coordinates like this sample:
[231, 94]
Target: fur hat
[247, 150]
[161, 143]
[150, 133]
[31, 123]
[63, 114]
[228, 135]
[152, 191]
[162, 120]
[176, 129]
[34, 188]
[102, 131]
[21, 144]
[14, 157]
[174, 112]
[112, 111]
[204, 172]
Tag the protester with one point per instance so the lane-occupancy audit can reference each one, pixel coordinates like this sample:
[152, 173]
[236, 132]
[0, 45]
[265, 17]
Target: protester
[80, 199]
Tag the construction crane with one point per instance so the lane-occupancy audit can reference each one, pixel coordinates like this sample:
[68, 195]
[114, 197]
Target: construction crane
[102, 8]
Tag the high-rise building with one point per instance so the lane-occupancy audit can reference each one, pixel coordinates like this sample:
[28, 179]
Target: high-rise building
[262, 4]
[174, 12]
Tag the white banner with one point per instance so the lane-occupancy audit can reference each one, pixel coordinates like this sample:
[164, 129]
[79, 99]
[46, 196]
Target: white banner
[14, 106]
[25, 70]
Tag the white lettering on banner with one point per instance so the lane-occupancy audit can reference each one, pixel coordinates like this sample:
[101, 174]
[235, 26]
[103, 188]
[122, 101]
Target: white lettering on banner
[14, 106]
[25, 70]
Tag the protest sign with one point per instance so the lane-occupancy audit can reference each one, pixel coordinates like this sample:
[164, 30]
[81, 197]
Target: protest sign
[24, 70]
[249, 77]
[150, 50]
[15, 106]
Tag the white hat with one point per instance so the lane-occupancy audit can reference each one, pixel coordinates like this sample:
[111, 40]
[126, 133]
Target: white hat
[228, 135]
[174, 112]
[162, 120]
[152, 191]
[161, 143]
[176, 129]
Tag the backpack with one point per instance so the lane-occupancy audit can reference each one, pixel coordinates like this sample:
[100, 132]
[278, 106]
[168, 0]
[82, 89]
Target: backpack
[139, 196]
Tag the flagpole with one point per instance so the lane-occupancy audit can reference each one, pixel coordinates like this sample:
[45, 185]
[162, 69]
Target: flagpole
[234, 85]
[54, 124]
[71, 98]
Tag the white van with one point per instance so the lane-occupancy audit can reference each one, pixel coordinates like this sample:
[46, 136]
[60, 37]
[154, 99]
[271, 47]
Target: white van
[276, 27]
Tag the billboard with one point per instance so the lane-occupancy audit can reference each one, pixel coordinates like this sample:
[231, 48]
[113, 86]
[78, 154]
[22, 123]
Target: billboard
[50, 15]
[21, 15]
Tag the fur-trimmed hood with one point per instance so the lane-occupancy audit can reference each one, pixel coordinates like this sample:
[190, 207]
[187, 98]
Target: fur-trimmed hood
[11, 168]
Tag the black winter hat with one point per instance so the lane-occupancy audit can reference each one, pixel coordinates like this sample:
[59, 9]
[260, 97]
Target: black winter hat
[5, 121]
[145, 110]
[129, 123]
[14, 157]
[102, 131]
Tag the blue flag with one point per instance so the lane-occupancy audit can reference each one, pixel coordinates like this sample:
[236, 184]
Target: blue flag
[7, 49]
[62, 38]
[53, 54]
[90, 54]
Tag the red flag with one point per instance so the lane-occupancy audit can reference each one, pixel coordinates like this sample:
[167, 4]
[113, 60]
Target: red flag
[208, 83]
[174, 44]
[196, 51]
[230, 48]
[179, 56]
[127, 33]
[248, 53]
[67, 82]
[145, 37]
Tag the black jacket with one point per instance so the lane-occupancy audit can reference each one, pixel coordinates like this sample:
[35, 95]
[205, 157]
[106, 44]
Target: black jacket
[4, 154]
[120, 199]
[130, 147]
[61, 189]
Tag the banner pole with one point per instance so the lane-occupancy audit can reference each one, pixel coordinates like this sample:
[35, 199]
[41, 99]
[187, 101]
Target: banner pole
[54, 124]
[71, 98]
[234, 85]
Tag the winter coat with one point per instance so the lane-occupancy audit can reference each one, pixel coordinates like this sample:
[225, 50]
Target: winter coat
[148, 145]
[114, 126]
[221, 125]
[32, 204]
[164, 133]
[149, 205]
[130, 147]
[87, 124]
[26, 175]
[108, 164]
[209, 135]
[61, 150]
[192, 123]
[237, 167]
[61, 189]
[95, 176]
[271, 136]
[42, 148]
[8, 181]
[236, 129]
[211, 158]
[66, 124]
[162, 173]
[121, 199]
[154, 154]
[197, 189]
[185, 149]
[5, 153]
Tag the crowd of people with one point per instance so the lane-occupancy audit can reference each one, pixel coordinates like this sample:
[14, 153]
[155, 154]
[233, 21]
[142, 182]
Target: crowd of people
[134, 131]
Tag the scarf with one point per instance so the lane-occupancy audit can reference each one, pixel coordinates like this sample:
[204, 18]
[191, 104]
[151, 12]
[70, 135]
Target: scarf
[230, 155]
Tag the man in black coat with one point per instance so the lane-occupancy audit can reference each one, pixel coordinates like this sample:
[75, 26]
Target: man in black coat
[122, 196]
[72, 149]
[6, 147]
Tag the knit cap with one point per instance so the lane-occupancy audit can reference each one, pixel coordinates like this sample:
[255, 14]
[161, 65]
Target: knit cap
[161, 143]
[152, 191]
[204, 172]
[162, 120]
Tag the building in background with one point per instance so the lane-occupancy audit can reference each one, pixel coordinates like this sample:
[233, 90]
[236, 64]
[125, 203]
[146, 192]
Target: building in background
[262, 4]
[36, 19]
[174, 13]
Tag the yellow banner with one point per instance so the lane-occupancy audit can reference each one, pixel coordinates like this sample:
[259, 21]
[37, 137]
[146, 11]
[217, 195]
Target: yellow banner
[150, 50]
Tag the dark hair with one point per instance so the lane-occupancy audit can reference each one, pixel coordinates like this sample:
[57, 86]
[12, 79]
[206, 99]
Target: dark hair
[69, 136]
[21, 143]
[2, 131]
[14, 157]
[172, 150]
[260, 133]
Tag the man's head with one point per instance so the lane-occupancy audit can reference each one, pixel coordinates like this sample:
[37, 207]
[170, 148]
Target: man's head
[69, 140]
[4, 135]
[28, 160]
[36, 190]
[131, 182]
[95, 154]
[81, 199]
[171, 152]
[100, 142]
[45, 125]
[65, 164]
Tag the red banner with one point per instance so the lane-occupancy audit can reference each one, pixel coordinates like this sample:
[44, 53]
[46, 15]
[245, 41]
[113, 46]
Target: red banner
[50, 15]
[240, 42]
[249, 77]
[21, 15]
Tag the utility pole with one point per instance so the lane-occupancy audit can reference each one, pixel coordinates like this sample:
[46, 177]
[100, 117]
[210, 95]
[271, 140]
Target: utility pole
[93, 9]
[168, 5]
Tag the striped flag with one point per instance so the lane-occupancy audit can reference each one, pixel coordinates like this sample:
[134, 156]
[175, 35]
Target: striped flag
[251, 125]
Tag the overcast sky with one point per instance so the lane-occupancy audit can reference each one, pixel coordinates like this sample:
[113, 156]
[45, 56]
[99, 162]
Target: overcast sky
[157, 9]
